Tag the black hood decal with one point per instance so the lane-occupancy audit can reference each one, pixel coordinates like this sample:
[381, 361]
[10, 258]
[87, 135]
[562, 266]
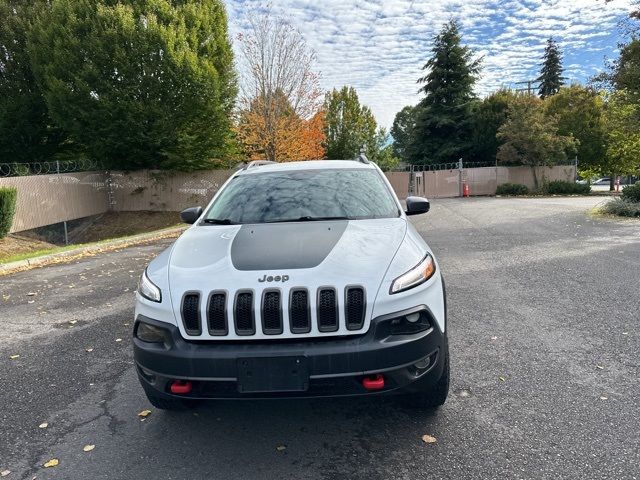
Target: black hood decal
[281, 246]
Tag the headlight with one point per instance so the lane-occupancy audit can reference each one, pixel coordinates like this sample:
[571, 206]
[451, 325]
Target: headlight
[148, 289]
[414, 277]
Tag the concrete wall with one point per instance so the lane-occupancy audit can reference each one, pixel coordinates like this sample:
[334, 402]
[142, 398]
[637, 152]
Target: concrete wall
[47, 199]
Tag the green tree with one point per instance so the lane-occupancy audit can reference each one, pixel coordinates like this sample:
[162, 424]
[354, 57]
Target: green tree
[621, 120]
[443, 120]
[402, 131]
[348, 125]
[383, 155]
[26, 131]
[579, 114]
[141, 84]
[531, 138]
[487, 116]
[626, 70]
[551, 78]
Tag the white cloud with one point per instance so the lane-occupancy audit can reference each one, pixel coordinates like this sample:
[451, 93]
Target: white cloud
[379, 46]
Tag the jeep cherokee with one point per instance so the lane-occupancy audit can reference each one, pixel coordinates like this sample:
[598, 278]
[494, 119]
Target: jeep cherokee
[298, 279]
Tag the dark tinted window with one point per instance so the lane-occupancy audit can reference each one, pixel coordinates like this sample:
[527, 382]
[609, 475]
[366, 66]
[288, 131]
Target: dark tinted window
[306, 195]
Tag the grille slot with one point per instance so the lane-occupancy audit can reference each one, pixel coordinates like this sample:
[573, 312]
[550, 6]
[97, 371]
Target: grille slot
[217, 314]
[299, 312]
[271, 312]
[327, 310]
[191, 313]
[243, 314]
[354, 307]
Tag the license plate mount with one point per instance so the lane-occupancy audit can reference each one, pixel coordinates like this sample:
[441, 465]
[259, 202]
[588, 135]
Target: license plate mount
[273, 374]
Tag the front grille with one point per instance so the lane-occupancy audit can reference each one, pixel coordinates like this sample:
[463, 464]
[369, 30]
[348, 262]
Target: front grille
[327, 310]
[217, 314]
[243, 314]
[299, 313]
[354, 307]
[271, 313]
[191, 313]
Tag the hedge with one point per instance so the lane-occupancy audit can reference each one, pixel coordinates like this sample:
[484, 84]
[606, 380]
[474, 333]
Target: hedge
[512, 189]
[631, 193]
[560, 187]
[8, 196]
[622, 208]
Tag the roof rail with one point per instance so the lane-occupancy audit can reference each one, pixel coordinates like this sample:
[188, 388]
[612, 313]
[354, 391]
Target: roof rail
[257, 163]
[362, 157]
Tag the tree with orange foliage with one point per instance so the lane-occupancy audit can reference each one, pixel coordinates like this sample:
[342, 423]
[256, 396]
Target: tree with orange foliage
[279, 117]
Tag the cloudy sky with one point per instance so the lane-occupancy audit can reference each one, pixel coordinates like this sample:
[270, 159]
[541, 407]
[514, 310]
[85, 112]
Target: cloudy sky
[379, 46]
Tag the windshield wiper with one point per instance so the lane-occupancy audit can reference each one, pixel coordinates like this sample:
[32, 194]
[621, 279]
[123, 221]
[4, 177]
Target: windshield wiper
[308, 219]
[219, 221]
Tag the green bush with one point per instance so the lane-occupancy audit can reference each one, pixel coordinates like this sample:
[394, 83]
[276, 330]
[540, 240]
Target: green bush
[560, 187]
[512, 189]
[631, 193]
[8, 196]
[622, 208]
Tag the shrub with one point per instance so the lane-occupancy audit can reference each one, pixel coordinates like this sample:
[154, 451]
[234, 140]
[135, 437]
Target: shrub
[560, 187]
[622, 208]
[512, 189]
[631, 193]
[8, 196]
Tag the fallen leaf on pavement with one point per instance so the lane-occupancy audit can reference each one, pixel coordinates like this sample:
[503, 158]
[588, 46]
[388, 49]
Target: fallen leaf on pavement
[599, 367]
[625, 333]
[118, 339]
[144, 413]
[4, 473]
[31, 294]
[502, 379]
[280, 448]
[604, 398]
[43, 425]
[428, 439]
[13, 357]
[73, 322]
[88, 448]
[51, 463]
[6, 297]
[494, 338]
[89, 350]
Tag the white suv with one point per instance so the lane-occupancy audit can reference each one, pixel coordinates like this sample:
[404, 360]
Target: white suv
[298, 279]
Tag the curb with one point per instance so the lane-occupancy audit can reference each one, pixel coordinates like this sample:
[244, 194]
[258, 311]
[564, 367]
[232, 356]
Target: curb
[106, 246]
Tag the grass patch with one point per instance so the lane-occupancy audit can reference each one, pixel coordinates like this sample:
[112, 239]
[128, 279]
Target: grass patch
[621, 208]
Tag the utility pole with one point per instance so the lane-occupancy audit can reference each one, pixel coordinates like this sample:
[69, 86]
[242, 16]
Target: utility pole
[528, 89]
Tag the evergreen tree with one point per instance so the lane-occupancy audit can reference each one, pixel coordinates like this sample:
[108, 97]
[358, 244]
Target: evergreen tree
[348, 125]
[402, 131]
[487, 116]
[551, 78]
[26, 131]
[443, 128]
[141, 84]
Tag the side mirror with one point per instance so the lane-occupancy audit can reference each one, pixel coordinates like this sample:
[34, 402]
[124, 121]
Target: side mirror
[417, 205]
[190, 215]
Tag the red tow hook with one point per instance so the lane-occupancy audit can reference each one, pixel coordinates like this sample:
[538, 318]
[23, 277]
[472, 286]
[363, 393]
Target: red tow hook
[181, 387]
[373, 382]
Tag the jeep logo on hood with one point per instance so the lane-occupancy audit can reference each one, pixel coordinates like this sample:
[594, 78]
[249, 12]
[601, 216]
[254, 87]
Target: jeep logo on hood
[276, 278]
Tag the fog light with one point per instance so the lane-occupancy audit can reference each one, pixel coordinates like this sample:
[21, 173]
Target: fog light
[413, 317]
[150, 334]
[422, 364]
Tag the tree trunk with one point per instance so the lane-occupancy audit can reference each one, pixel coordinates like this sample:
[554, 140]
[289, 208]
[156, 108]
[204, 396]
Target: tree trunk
[535, 178]
[612, 182]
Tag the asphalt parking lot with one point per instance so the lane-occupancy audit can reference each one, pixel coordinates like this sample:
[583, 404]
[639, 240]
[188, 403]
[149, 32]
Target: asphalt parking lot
[543, 328]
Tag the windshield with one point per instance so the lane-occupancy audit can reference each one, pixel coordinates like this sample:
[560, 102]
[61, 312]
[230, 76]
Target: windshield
[303, 195]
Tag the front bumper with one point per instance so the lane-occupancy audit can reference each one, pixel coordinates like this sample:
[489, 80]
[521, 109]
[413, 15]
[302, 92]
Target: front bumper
[336, 366]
